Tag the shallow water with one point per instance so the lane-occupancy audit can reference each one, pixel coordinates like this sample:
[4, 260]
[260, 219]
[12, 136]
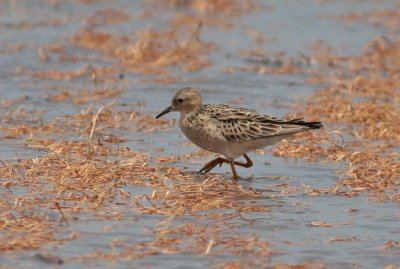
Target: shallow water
[292, 26]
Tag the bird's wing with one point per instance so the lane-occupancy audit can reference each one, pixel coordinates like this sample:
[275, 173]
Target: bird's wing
[240, 124]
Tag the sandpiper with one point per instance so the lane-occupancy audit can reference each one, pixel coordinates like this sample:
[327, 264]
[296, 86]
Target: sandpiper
[230, 131]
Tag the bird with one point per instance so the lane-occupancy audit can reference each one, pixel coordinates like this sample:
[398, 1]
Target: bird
[228, 130]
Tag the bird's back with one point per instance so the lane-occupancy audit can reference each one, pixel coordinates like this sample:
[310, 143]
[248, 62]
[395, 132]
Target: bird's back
[241, 124]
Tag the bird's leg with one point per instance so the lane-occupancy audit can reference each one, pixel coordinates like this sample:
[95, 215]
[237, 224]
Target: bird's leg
[248, 163]
[234, 174]
[209, 166]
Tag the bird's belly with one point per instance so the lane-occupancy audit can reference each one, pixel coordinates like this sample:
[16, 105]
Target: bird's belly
[211, 140]
[238, 148]
[205, 140]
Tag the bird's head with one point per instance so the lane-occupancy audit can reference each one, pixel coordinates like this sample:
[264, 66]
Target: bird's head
[184, 101]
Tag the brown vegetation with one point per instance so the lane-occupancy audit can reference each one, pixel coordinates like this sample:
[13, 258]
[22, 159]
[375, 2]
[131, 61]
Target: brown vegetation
[81, 165]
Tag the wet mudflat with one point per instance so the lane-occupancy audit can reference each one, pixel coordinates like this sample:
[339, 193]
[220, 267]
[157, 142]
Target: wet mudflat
[88, 178]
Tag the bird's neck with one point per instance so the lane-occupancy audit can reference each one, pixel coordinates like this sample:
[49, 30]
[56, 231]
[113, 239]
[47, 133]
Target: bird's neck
[189, 112]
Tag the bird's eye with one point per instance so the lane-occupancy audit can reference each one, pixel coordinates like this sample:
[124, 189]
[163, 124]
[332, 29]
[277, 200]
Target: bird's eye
[180, 100]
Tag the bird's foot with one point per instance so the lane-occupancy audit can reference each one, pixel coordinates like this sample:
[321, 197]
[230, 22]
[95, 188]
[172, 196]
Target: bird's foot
[209, 166]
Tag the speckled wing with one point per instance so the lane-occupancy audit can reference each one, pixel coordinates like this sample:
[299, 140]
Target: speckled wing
[240, 124]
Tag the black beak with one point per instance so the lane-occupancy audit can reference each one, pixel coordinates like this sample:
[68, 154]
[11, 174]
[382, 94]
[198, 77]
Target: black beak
[165, 111]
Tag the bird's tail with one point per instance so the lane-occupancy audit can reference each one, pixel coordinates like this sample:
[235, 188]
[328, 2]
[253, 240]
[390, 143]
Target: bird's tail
[314, 124]
[309, 124]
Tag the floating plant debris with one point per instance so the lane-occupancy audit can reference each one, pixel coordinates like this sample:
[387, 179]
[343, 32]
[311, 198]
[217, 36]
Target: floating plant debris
[80, 144]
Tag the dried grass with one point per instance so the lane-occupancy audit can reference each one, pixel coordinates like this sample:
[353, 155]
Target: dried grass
[151, 51]
[81, 167]
[361, 106]
[383, 18]
[261, 62]
[227, 8]
[67, 179]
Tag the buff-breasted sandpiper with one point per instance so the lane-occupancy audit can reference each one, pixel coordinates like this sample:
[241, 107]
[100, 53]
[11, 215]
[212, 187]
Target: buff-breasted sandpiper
[230, 131]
